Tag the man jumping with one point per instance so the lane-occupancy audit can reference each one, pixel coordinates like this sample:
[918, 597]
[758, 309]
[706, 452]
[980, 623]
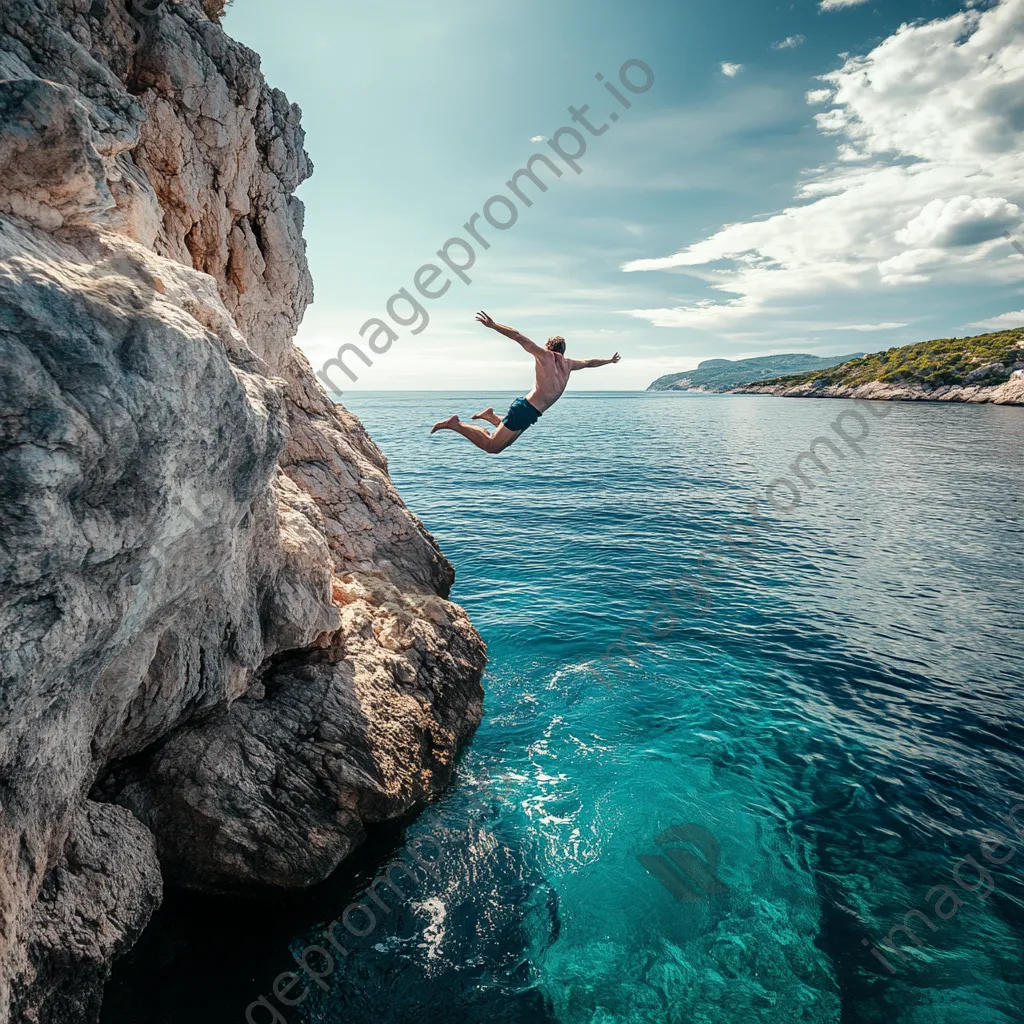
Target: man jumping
[553, 371]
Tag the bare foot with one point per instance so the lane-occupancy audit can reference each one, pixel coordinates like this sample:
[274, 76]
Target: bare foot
[447, 424]
[490, 416]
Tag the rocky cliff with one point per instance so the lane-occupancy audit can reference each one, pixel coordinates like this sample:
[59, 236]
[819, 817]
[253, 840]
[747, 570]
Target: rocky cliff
[225, 644]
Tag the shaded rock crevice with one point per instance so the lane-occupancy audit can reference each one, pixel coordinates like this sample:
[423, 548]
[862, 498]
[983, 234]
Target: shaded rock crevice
[91, 909]
[225, 643]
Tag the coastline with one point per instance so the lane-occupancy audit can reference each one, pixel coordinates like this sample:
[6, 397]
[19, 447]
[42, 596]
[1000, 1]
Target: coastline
[1010, 393]
[697, 389]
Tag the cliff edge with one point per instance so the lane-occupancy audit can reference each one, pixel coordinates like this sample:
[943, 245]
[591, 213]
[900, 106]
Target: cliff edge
[225, 644]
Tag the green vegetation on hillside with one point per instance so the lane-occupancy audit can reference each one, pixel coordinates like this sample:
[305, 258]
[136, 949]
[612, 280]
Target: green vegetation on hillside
[927, 364]
[723, 374]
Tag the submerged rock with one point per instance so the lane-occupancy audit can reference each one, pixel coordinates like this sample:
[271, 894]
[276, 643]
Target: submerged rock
[215, 612]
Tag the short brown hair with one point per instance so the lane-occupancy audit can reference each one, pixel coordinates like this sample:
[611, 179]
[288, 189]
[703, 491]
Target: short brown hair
[556, 344]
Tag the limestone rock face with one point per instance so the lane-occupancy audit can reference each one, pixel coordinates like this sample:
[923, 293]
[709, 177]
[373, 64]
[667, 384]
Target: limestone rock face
[225, 643]
[53, 174]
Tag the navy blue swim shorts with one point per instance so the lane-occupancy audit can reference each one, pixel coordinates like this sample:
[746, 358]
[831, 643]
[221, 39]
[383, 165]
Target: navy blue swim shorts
[521, 415]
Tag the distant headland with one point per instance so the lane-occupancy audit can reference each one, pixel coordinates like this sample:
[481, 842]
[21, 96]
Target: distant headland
[983, 368]
[718, 375]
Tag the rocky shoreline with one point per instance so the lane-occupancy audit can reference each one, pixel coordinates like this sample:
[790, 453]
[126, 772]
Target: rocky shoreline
[226, 647]
[1009, 393]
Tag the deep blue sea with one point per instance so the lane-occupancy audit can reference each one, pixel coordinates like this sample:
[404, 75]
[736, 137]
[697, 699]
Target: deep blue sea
[819, 687]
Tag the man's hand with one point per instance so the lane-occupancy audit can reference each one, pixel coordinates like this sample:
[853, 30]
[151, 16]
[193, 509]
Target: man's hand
[615, 358]
[510, 332]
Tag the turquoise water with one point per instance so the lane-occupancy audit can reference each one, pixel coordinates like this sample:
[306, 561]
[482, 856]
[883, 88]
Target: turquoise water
[834, 692]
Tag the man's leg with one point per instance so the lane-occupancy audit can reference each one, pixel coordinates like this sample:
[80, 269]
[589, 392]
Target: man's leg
[492, 443]
[502, 438]
[480, 437]
[489, 415]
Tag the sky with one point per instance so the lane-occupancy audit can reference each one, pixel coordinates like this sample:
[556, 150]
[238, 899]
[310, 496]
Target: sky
[822, 176]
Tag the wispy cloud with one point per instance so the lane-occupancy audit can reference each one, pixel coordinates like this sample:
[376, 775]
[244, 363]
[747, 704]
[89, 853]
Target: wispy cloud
[731, 70]
[539, 138]
[789, 43]
[1001, 322]
[817, 96]
[888, 326]
[836, 5]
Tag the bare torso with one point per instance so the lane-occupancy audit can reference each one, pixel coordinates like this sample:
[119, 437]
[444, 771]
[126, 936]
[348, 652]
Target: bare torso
[552, 376]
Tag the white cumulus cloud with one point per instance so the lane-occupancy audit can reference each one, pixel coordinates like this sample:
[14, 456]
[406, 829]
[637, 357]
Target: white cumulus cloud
[1005, 321]
[911, 267]
[731, 70]
[964, 220]
[539, 138]
[817, 96]
[789, 43]
[836, 5]
[929, 128]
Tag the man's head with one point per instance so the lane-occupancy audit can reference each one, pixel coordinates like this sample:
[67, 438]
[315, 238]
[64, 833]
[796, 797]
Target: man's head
[556, 344]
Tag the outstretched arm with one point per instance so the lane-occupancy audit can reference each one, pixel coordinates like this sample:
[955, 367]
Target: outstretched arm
[584, 364]
[510, 332]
